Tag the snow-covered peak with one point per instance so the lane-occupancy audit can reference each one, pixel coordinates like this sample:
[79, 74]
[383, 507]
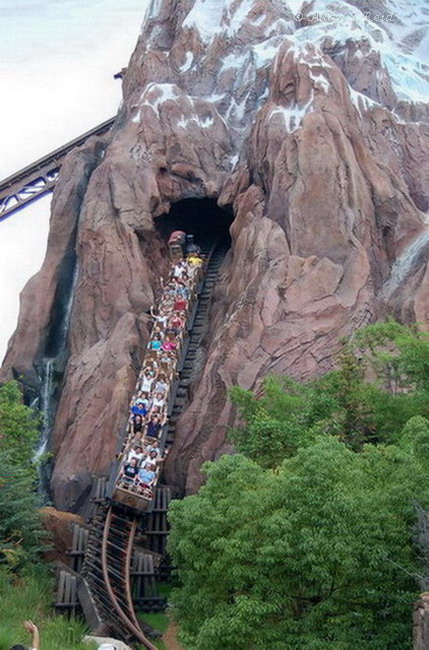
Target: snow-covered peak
[228, 34]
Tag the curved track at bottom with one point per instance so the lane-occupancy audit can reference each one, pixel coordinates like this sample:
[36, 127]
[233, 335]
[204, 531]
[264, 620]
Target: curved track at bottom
[116, 552]
[107, 573]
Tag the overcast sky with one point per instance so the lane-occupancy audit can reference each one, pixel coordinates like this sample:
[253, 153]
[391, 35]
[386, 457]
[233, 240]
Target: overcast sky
[57, 60]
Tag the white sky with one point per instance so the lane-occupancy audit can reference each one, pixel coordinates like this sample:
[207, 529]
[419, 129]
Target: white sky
[57, 60]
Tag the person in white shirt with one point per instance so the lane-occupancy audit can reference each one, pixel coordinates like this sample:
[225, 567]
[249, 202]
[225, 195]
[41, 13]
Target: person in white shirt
[159, 400]
[136, 453]
[179, 270]
[161, 386]
[153, 446]
[152, 459]
[147, 380]
[161, 318]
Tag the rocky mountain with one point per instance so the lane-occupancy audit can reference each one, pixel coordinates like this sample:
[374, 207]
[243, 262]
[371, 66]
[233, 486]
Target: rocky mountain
[308, 123]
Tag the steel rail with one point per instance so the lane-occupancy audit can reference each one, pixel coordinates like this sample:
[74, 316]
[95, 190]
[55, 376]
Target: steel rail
[130, 619]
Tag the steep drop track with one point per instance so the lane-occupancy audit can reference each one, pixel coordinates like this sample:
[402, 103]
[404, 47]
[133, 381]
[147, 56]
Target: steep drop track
[107, 564]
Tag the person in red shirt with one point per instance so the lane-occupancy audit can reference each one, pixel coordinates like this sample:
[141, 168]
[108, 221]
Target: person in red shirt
[176, 323]
[180, 304]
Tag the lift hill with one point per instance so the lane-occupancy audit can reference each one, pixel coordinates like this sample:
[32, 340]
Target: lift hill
[39, 178]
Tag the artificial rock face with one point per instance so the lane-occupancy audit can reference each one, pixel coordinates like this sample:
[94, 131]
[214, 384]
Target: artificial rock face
[308, 121]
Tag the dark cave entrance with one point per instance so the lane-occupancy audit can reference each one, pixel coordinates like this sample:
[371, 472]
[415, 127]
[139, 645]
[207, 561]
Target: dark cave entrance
[201, 217]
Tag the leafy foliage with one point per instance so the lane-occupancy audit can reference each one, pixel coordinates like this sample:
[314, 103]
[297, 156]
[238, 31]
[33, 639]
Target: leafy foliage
[306, 540]
[20, 530]
[379, 385]
[314, 554]
[21, 535]
[19, 425]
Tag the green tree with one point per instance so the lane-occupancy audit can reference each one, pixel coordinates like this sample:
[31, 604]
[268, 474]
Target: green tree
[379, 384]
[21, 535]
[314, 554]
[20, 529]
[19, 424]
[399, 354]
[415, 439]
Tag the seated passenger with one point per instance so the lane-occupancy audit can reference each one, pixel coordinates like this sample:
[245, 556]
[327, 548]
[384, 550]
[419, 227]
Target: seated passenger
[154, 427]
[155, 343]
[137, 424]
[169, 291]
[146, 477]
[161, 385]
[167, 304]
[136, 453]
[139, 408]
[169, 345]
[166, 358]
[180, 304]
[153, 445]
[145, 400]
[159, 400]
[183, 290]
[194, 259]
[161, 318]
[151, 459]
[179, 269]
[149, 375]
[129, 471]
[176, 323]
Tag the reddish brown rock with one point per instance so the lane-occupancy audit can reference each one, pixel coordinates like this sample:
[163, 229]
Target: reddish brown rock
[59, 525]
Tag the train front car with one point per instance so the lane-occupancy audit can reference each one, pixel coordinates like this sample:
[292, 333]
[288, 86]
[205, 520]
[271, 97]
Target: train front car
[130, 498]
[176, 245]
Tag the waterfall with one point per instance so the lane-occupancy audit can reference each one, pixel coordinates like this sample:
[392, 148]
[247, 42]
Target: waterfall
[45, 406]
[64, 329]
[404, 264]
[50, 378]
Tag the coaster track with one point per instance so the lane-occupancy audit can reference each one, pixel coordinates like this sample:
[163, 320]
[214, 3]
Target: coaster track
[107, 564]
[40, 177]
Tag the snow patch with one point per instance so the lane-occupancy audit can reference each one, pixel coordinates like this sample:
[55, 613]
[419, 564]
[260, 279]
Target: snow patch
[154, 8]
[409, 76]
[320, 81]
[203, 122]
[293, 115]
[234, 61]
[188, 62]
[266, 51]
[215, 98]
[361, 101]
[295, 5]
[237, 18]
[156, 94]
[234, 161]
[206, 17]
[404, 264]
[137, 118]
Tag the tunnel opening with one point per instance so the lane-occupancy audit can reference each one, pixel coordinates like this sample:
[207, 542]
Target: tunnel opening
[201, 217]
